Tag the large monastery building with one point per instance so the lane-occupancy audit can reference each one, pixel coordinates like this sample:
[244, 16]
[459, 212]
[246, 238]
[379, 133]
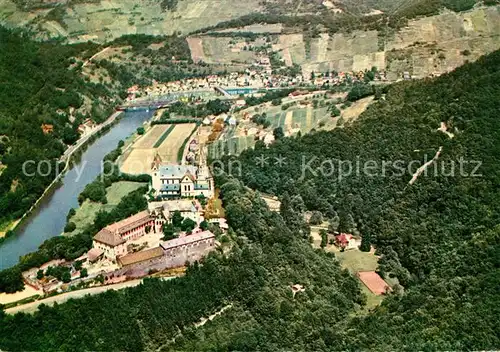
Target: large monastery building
[182, 181]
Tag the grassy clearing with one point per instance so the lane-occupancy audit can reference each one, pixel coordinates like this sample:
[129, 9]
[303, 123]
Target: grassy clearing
[86, 213]
[163, 136]
[355, 260]
[118, 190]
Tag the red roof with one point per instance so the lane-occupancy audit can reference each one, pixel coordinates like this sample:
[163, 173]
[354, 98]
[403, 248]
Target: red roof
[373, 281]
[343, 238]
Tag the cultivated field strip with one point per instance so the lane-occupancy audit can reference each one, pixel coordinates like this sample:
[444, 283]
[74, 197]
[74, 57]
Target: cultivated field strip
[151, 137]
[169, 149]
[164, 136]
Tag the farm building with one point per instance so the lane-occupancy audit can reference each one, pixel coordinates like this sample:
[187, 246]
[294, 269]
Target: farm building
[374, 282]
[345, 241]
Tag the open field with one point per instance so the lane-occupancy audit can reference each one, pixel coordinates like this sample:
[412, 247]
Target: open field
[354, 260]
[166, 140]
[169, 149]
[137, 161]
[151, 137]
[164, 136]
[86, 213]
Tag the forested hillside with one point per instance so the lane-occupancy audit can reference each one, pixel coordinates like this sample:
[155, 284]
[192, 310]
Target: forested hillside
[40, 83]
[438, 235]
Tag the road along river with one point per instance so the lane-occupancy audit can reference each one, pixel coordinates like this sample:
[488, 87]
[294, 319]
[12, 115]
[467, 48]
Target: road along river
[49, 217]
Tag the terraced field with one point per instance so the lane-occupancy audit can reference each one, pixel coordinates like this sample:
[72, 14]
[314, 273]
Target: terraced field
[304, 120]
[426, 46]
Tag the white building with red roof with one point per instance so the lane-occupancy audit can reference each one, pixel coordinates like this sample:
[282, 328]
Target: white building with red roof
[345, 241]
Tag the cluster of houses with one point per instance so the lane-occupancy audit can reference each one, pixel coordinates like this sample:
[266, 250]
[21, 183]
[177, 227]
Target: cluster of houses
[258, 77]
[176, 188]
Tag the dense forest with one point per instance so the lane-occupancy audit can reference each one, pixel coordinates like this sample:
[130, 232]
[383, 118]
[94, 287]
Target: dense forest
[40, 83]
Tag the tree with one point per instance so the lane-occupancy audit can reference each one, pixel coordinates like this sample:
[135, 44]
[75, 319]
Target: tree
[11, 280]
[278, 133]
[324, 238]
[69, 135]
[77, 265]
[188, 225]
[177, 219]
[70, 227]
[204, 225]
[316, 218]
[99, 279]
[84, 273]
[140, 131]
[334, 223]
[334, 111]
[95, 191]
[168, 232]
[39, 274]
[365, 243]
[346, 223]
[71, 213]
[66, 277]
[276, 101]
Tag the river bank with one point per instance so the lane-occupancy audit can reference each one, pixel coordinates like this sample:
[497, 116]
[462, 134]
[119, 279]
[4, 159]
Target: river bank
[48, 218]
[66, 158]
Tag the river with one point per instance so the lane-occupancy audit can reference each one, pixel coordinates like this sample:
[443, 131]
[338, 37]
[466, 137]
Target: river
[49, 217]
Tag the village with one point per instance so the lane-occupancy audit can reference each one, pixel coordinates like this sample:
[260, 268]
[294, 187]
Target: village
[258, 76]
